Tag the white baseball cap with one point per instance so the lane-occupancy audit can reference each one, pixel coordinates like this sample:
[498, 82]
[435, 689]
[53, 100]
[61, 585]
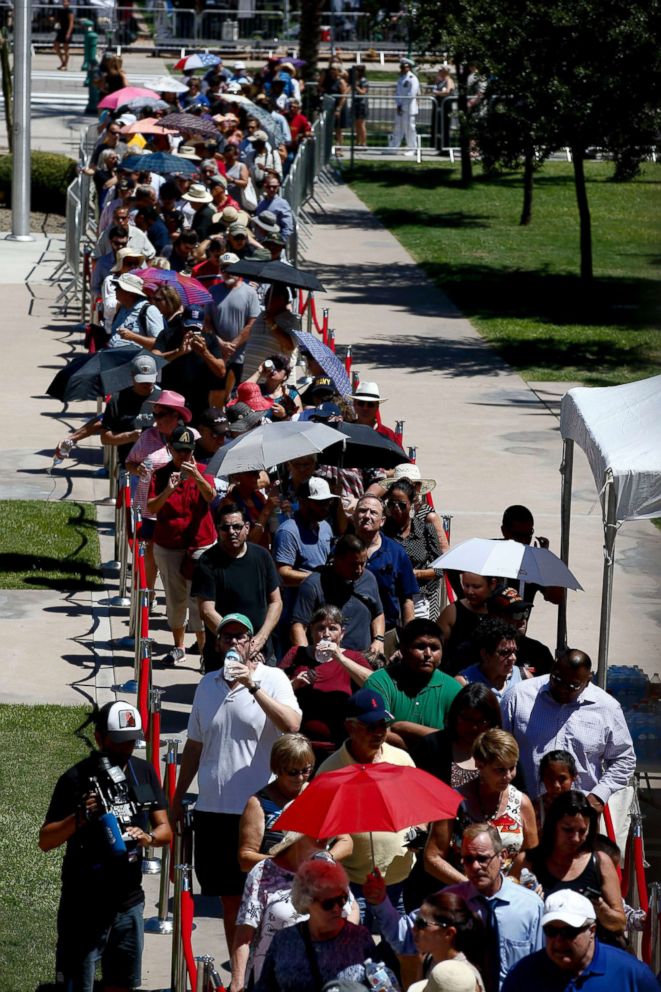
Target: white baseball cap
[315, 488]
[567, 906]
[120, 721]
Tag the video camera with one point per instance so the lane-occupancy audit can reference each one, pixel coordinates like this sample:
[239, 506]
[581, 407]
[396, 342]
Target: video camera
[142, 421]
[120, 802]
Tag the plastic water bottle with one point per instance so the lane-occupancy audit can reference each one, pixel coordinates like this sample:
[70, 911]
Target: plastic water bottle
[65, 448]
[379, 978]
[232, 660]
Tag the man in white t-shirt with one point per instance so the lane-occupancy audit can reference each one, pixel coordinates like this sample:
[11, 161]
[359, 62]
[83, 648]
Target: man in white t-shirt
[232, 728]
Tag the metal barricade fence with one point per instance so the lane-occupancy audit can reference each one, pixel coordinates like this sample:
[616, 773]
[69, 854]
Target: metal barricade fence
[312, 158]
[381, 115]
[189, 26]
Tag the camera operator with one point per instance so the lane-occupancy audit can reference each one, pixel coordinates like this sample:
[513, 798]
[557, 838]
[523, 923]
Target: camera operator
[107, 809]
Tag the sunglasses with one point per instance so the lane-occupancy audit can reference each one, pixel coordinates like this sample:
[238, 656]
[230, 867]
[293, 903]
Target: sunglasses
[365, 403]
[333, 901]
[479, 859]
[566, 932]
[299, 772]
[558, 680]
[228, 527]
[420, 923]
[505, 652]
[395, 503]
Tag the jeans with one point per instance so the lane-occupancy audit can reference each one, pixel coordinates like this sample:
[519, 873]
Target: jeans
[118, 946]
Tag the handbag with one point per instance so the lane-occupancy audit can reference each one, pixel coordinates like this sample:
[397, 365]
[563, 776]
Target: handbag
[249, 197]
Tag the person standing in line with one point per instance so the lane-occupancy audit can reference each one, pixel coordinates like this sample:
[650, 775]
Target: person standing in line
[406, 110]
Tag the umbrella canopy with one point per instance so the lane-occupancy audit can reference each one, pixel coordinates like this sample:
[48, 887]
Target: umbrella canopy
[191, 292]
[365, 448]
[272, 444]
[198, 60]
[168, 84]
[326, 358]
[105, 372]
[121, 97]
[267, 123]
[511, 560]
[148, 125]
[191, 124]
[140, 102]
[163, 163]
[276, 272]
[365, 798]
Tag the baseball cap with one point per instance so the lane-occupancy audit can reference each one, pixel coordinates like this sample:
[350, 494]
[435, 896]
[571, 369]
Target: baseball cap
[567, 906]
[214, 418]
[120, 721]
[506, 602]
[322, 384]
[143, 369]
[236, 618]
[325, 411]
[236, 230]
[259, 136]
[368, 707]
[316, 489]
[182, 439]
[229, 258]
[125, 184]
[193, 317]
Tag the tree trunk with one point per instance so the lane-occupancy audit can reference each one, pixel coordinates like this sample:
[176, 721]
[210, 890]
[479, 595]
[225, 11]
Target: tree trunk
[528, 173]
[464, 137]
[578, 161]
[309, 36]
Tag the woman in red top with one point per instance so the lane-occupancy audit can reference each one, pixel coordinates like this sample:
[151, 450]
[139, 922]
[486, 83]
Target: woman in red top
[180, 495]
[323, 676]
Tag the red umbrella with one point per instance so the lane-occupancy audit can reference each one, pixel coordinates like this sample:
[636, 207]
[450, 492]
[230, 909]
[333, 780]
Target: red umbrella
[120, 97]
[191, 292]
[365, 798]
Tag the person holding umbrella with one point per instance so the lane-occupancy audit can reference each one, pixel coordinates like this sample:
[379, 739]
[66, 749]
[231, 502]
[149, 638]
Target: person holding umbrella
[272, 331]
[195, 365]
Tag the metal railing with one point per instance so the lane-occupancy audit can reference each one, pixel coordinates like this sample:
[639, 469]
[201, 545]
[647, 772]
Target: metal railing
[381, 111]
[188, 26]
[311, 160]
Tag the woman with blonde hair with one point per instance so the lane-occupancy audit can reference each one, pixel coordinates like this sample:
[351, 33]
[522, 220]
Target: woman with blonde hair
[490, 798]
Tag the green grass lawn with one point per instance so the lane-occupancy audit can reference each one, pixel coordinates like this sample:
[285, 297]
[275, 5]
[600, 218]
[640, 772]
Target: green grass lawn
[49, 546]
[520, 285]
[37, 745]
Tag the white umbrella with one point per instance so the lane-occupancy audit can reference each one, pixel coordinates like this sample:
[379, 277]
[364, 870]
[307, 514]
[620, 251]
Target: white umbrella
[509, 559]
[168, 84]
[272, 444]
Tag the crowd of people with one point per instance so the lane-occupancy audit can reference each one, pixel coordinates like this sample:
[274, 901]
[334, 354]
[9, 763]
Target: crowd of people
[310, 596]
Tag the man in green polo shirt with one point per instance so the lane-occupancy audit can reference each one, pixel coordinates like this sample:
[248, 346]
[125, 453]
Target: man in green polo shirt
[415, 691]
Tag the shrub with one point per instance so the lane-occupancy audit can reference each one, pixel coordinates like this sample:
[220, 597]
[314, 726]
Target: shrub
[51, 174]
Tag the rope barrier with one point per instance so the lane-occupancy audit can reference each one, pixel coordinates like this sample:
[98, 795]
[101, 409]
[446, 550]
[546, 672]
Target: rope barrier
[187, 915]
[144, 683]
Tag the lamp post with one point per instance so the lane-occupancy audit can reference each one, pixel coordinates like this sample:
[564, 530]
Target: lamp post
[20, 187]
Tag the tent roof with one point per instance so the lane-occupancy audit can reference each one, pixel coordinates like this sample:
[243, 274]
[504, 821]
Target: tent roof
[619, 429]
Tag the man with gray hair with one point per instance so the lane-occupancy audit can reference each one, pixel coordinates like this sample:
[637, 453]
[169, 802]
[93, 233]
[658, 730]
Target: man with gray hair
[512, 914]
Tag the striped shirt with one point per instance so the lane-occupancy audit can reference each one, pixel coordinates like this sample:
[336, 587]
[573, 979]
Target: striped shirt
[593, 729]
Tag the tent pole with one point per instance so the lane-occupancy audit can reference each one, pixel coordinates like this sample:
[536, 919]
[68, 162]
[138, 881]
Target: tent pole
[566, 471]
[610, 532]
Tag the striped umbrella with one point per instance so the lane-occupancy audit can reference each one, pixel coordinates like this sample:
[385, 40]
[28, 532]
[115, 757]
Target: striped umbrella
[191, 292]
[328, 360]
[190, 123]
[198, 60]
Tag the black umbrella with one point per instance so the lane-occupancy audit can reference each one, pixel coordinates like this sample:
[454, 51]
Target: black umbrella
[364, 448]
[87, 377]
[276, 272]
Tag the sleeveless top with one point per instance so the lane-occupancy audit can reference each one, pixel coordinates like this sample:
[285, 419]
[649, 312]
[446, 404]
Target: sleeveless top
[509, 825]
[271, 813]
[590, 877]
[463, 629]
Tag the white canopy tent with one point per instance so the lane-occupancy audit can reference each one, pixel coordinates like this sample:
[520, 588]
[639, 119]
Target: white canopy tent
[619, 429]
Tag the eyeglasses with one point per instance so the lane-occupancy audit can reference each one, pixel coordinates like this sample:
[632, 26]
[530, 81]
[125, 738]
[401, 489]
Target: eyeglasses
[299, 772]
[228, 527]
[396, 503]
[567, 933]
[558, 680]
[479, 859]
[333, 901]
[420, 923]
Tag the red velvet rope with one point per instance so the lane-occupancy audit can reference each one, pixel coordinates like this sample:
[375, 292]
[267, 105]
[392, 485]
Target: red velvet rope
[187, 914]
[610, 830]
[155, 738]
[143, 694]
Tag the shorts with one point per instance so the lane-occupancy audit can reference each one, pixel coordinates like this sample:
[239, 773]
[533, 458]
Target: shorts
[117, 944]
[216, 839]
[178, 602]
[147, 528]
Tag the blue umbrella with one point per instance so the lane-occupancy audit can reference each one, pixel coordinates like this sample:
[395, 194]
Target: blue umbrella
[160, 162]
[328, 360]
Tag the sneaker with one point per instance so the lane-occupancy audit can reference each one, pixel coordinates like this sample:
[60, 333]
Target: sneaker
[176, 657]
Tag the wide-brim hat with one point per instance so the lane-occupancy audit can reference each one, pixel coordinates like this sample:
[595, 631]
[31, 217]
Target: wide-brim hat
[131, 284]
[250, 394]
[412, 474]
[187, 151]
[125, 253]
[175, 401]
[197, 193]
[266, 221]
[290, 838]
[368, 391]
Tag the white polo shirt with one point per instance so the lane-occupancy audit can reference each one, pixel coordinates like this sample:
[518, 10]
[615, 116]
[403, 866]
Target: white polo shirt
[236, 738]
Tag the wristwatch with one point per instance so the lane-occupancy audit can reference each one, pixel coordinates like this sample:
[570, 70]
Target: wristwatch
[255, 687]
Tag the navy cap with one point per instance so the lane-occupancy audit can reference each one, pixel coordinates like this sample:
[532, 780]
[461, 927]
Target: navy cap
[368, 707]
[193, 317]
[325, 411]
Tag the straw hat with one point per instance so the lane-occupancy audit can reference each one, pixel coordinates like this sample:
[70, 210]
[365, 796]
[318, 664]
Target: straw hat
[412, 473]
[125, 253]
[187, 151]
[197, 193]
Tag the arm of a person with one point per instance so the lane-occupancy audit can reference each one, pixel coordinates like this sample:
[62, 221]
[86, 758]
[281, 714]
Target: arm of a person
[359, 673]
[529, 820]
[209, 614]
[141, 339]
[251, 834]
[243, 938]
[407, 610]
[155, 503]
[342, 847]
[273, 613]
[190, 762]
[203, 482]
[298, 635]
[378, 632]
[214, 363]
[161, 831]
[291, 577]
[618, 760]
[124, 437]
[285, 718]
[407, 731]
[609, 908]
[58, 832]
[447, 620]
[436, 849]
[244, 333]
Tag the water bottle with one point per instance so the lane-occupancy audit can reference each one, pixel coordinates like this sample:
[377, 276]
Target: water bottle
[113, 834]
[324, 652]
[232, 660]
[528, 880]
[379, 977]
[65, 449]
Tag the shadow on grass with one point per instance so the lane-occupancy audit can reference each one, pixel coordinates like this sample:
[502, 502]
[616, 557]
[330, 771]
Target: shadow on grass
[65, 575]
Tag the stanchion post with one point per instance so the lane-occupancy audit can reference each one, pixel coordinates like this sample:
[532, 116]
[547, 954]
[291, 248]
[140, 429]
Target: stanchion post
[163, 922]
[124, 502]
[309, 305]
[399, 431]
[154, 738]
[355, 381]
[347, 360]
[413, 452]
[181, 985]
[177, 950]
[331, 339]
[324, 326]
[110, 457]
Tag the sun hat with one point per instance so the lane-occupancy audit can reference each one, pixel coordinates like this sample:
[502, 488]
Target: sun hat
[406, 61]
[266, 221]
[131, 284]
[126, 119]
[187, 151]
[175, 401]
[367, 706]
[242, 418]
[197, 193]
[412, 474]
[258, 136]
[143, 369]
[368, 391]
[250, 394]
[125, 253]
[447, 976]
[316, 489]
[239, 65]
[233, 89]
[120, 721]
[182, 439]
[567, 906]
[235, 618]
